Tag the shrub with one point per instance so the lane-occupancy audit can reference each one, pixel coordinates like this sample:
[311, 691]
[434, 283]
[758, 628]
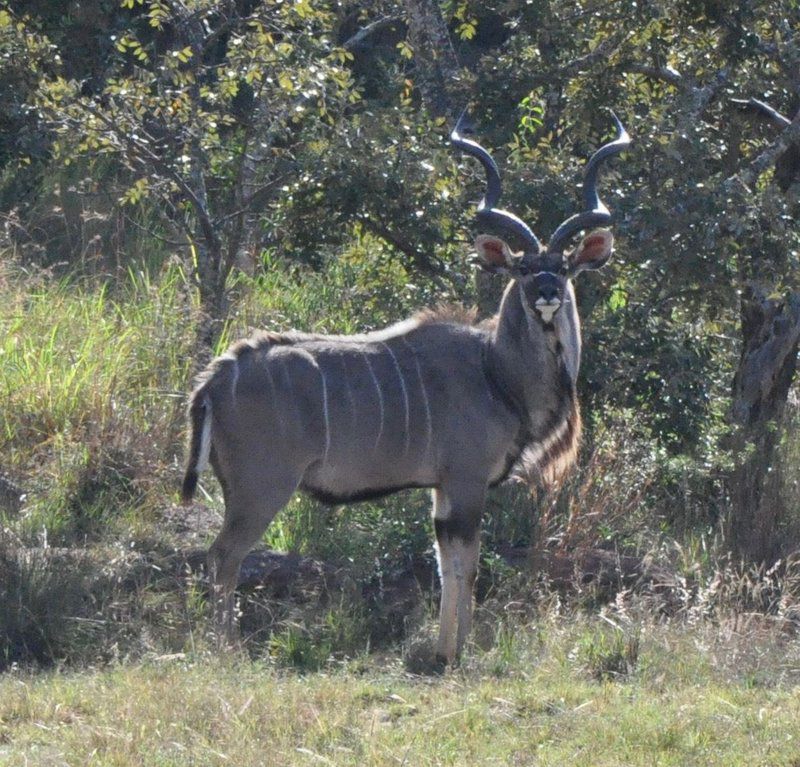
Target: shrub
[40, 603]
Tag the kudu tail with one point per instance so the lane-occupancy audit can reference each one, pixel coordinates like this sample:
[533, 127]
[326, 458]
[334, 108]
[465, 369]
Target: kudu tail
[199, 442]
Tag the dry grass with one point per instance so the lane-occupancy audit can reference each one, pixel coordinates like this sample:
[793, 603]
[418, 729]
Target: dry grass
[684, 702]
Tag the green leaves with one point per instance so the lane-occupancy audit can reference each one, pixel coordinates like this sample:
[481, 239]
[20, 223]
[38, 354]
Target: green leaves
[129, 44]
[405, 49]
[532, 113]
[136, 192]
[617, 298]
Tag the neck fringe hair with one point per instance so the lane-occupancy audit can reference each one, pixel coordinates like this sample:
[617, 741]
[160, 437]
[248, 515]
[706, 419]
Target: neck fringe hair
[547, 462]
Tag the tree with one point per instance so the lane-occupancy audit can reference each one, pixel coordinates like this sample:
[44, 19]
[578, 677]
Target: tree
[770, 327]
[437, 71]
[207, 107]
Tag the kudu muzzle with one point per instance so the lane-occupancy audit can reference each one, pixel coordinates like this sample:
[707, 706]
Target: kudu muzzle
[547, 289]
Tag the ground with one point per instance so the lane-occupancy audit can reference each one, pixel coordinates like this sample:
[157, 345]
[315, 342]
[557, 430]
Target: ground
[563, 690]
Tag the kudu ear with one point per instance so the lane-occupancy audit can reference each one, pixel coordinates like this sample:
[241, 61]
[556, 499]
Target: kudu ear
[593, 252]
[494, 255]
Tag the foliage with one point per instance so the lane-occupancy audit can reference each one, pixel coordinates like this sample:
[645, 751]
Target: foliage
[174, 174]
[202, 137]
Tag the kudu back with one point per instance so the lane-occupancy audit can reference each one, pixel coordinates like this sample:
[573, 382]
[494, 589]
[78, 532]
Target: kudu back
[434, 401]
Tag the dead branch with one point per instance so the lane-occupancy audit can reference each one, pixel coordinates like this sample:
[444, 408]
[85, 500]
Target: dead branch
[754, 105]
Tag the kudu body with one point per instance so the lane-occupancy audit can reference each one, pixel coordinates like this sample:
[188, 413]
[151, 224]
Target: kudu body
[435, 401]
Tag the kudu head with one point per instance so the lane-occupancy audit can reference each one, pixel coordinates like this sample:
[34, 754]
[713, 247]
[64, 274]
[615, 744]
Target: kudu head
[542, 272]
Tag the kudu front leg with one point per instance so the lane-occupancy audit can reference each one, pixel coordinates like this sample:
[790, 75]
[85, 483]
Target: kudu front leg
[457, 548]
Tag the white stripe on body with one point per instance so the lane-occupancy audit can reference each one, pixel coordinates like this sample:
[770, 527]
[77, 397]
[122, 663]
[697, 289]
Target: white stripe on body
[235, 381]
[228, 356]
[380, 398]
[287, 376]
[405, 395]
[273, 398]
[205, 438]
[325, 414]
[428, 419]
[350, 397]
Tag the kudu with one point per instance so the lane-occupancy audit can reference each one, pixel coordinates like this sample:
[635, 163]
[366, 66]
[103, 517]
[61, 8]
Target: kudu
[435, 401]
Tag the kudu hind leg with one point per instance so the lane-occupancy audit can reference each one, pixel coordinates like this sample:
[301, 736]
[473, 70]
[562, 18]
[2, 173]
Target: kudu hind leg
[457, 526]
[248, 512]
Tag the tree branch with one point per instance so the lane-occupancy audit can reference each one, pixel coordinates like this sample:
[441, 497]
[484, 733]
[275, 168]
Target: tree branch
[423, 262]
[665, 74]
[361, 40]
[754, 105]
[768, 157]
[144, 153]
[601, 52]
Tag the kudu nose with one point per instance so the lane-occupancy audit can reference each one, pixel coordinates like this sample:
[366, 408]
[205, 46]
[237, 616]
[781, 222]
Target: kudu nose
[548, 301]
[548, 292]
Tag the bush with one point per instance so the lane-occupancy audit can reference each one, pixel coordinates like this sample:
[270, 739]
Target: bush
[41, 602]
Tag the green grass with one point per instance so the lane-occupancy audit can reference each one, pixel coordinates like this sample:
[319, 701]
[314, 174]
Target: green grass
[678, 707]
[93, 383]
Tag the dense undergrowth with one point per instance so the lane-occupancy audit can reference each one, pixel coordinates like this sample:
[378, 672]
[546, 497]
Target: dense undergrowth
[99, 564]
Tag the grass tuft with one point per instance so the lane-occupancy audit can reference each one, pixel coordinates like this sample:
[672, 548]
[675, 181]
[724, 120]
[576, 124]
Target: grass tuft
[609, 652]
[39, 602]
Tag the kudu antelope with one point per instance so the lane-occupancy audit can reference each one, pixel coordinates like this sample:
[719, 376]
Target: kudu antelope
[435, 401]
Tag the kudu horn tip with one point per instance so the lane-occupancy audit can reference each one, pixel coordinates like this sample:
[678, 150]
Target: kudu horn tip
[464, 124]
[623, 137]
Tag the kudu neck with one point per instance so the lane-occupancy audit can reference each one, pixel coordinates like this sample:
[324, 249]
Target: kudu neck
[533, 358]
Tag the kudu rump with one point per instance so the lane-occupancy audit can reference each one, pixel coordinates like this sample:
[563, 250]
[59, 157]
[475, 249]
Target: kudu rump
[434, 401]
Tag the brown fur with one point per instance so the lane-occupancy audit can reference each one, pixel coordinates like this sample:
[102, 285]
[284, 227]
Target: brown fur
[562, 455]
[451, 314]
[550, 467]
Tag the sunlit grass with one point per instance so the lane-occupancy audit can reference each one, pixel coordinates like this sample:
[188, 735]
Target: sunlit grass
[546, 709]
[73, 355]
[93, 382]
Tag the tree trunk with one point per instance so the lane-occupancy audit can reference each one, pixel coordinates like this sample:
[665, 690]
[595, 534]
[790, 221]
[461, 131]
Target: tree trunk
[770, 334]
[438, 71]
[211, 284]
